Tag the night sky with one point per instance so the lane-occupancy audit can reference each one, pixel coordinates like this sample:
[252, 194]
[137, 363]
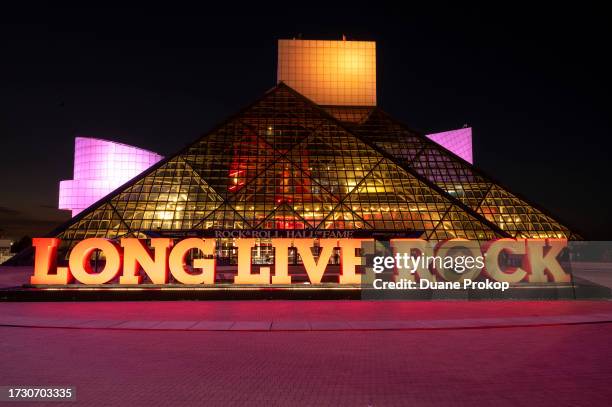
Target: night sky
[533, 83]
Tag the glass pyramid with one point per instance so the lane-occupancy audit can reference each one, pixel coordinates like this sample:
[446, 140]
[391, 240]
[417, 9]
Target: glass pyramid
[458, 178]
[286, 163]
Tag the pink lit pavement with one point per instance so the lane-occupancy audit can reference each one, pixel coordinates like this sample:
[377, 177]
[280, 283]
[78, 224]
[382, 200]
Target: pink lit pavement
[323, 353]
[152, 358]
[301, 315]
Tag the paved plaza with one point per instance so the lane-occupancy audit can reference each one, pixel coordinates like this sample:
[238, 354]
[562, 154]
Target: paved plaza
[461, 358]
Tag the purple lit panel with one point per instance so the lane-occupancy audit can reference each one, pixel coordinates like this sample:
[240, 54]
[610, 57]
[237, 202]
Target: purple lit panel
[100, 167]
[458, 141]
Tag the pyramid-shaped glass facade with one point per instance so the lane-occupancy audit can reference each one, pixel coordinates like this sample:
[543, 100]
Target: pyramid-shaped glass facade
[287, 163]
[459, 178]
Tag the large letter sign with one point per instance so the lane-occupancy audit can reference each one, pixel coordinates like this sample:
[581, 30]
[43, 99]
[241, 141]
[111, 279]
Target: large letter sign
[192, 261]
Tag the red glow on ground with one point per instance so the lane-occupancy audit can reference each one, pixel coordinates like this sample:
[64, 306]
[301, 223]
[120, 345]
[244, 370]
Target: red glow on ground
[303, 310]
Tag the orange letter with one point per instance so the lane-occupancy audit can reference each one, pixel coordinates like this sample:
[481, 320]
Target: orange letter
[455, 249]
[80, 256]
[136, 254]
[177, 261]
[540, 264]
[315, 269]
[423, 249]
[348, 260]
[281, 268]
[244, 275]
[45, 260]
[510, 274]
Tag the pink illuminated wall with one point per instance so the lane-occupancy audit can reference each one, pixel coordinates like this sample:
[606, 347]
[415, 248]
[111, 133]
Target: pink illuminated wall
[100, 167]
[458, 141]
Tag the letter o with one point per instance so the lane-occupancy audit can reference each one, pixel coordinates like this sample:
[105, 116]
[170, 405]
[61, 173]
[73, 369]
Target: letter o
[80, 257]
[443, 251]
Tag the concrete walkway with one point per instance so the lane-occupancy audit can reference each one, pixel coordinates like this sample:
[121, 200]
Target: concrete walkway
[303, 315]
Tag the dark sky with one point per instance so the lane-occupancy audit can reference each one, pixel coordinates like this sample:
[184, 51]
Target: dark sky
[533, 83]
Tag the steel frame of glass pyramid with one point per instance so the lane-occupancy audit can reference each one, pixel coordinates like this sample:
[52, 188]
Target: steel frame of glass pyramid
[286, 163]
[512, 213]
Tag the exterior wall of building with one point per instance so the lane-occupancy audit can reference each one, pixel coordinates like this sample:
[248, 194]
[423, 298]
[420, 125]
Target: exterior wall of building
[330, 72]
[101, 166]
[458, 141]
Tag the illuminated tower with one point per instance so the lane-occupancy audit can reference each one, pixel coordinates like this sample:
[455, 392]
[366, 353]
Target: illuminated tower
[100, 167]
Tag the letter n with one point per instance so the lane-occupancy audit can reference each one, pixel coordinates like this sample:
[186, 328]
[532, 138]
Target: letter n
[137, 254]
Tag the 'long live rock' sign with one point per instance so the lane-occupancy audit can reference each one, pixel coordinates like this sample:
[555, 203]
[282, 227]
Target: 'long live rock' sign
[132, 258]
